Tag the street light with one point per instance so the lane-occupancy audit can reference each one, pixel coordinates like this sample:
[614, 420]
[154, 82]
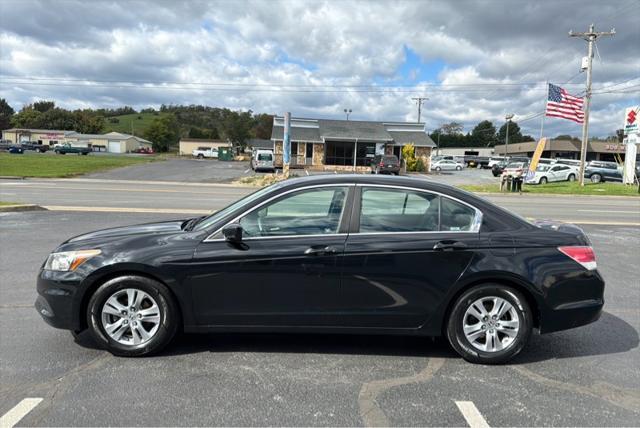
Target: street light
[508, 118]
[347, 112]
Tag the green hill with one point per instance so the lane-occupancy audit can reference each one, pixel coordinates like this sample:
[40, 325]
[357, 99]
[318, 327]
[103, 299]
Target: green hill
[135, 123]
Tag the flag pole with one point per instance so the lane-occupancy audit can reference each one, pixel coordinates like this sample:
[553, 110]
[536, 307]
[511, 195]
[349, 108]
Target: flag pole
[545, 112]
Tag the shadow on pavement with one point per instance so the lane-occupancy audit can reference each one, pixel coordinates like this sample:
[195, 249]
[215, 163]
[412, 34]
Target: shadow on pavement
[609, 335]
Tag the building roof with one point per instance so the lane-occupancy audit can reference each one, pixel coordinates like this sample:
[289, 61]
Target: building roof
[40, 131]
[563, 146]
[114, 136]
[259, 143]
[203, 140]
[321, 130]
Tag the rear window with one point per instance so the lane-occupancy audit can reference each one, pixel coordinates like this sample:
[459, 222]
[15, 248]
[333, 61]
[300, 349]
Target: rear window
[390, 159]
[264, 157]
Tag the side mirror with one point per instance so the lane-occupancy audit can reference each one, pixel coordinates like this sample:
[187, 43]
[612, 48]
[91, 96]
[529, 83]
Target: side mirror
[232, 233]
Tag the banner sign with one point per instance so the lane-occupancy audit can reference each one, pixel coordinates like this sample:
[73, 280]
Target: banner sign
[536, 158]
[631, 119]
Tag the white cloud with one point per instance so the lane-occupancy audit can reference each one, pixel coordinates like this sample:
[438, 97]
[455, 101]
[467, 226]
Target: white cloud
[319, 43]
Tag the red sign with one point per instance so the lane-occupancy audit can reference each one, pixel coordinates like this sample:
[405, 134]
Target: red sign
[631, 117]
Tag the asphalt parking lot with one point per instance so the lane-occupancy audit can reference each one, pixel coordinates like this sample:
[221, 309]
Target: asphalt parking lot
[588, 376]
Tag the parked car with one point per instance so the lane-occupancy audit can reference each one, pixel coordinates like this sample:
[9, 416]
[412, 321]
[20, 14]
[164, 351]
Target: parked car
[205, 152]
[446, 165]
[5, 144]
[598, 171]
[385, 164]
[144, 150]
[27, 145]
[477, 162]
[63, 149]
[572, 162]
[494, 160]
[329, 253]
[548, 173]
[262, 160]
[515, 169]
[16, 150]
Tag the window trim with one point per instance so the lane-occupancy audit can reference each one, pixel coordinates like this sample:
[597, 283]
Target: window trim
[343, 220]
[357, 211]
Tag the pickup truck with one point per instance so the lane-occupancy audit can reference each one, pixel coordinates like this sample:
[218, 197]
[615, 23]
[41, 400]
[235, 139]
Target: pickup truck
[27, 145]
[63, 149]
[205, 152]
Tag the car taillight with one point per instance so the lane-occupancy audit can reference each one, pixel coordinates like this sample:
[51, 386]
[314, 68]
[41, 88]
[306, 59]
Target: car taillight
[381, 163]
[583, 255]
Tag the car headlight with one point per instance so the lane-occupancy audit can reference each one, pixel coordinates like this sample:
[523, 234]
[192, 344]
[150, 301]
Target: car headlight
[68, 260]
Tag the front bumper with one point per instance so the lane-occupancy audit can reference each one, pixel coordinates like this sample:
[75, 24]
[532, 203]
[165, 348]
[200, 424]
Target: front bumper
[59, 299]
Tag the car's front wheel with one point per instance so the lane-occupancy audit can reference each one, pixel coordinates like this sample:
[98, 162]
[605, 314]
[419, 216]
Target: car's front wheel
[132, 316]
[571, 177]
[596, 178]
[489, 324]
[543, 180]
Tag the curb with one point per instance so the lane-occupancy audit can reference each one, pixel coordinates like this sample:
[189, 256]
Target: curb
[21, 207]
[12, 177]
[553, 195]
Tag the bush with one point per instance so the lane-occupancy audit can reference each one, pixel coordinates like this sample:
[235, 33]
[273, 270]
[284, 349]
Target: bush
[420, 165]
[409, 156]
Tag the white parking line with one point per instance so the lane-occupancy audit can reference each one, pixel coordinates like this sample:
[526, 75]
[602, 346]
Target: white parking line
[471, 414]
[20, 410]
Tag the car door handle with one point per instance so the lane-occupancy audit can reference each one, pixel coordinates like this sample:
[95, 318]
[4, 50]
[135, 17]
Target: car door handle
[449, 245]
[319, 251]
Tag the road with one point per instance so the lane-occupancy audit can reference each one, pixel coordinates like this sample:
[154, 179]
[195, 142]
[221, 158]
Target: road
[196, 198]
[587, 376]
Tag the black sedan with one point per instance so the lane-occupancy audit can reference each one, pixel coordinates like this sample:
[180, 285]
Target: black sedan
[330, 254]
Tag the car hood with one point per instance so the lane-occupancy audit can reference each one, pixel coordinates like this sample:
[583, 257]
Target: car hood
[148, 228]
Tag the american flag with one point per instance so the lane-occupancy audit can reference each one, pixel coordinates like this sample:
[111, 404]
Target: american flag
[561, 104]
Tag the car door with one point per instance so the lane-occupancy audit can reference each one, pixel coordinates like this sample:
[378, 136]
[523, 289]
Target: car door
[405, 249]
[553, 173]
[286, 269]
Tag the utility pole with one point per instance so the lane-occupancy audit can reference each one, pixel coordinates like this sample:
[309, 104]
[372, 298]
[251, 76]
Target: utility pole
[506, 141]
[419, 101]
[589, 36]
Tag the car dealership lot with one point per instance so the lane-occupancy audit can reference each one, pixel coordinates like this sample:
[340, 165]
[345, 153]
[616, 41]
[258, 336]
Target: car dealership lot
[586, 376]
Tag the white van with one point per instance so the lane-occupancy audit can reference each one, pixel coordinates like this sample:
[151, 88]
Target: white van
[262, 160]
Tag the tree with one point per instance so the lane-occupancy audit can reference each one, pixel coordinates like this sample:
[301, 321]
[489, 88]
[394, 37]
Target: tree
[484, 134]
[236, 126]
[43, 106]
[527, 138]
[514, 133]
[26, 118]
[263, 125]
[5, 114]
[87, 122]
[163, 132]
[453, 128]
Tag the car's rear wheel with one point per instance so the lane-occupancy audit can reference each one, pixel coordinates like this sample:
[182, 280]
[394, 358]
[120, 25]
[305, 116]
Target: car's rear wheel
[543, 180]
[438, 169]
[200, 156]
[132, 316]
[596, 178]
[489, 324]
[571, 177]
[458, 168]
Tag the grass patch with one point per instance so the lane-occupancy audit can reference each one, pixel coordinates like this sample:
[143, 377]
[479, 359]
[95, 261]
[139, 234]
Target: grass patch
[49, 165]
[5, 203]
[128, 122]
[562, 188]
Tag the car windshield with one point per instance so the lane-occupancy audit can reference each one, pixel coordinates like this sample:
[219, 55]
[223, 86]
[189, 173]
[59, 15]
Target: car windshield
[218, 215]
[543, 168]
[515, 165]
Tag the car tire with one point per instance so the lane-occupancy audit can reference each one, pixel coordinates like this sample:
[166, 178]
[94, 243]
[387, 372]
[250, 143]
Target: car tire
[596, 178]
[438, 169]
[156, 298]
[571, 177]
[543, 180]
[458, 168]
[506, 346]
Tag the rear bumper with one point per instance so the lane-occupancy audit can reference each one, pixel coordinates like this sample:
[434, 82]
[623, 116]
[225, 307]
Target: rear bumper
[572, 315]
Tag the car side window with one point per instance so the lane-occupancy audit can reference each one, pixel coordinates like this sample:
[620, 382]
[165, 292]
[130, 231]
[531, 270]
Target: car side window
[307, 212]
[395, 210]
[455, 216]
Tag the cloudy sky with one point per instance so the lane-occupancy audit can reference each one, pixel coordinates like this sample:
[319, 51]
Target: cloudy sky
[474, 60]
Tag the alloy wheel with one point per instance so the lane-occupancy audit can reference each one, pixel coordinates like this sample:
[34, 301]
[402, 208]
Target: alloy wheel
[491, 324]
[130, 317]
